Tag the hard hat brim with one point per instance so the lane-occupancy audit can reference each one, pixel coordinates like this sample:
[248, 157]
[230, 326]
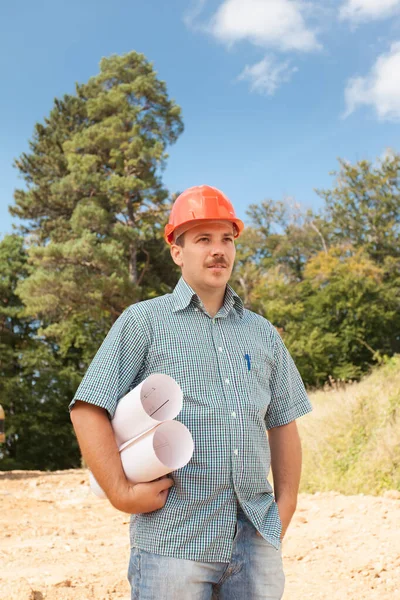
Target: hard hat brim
[172, 233]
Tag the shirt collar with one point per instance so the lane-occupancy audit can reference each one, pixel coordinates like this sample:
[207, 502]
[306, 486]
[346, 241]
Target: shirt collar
[184, 295]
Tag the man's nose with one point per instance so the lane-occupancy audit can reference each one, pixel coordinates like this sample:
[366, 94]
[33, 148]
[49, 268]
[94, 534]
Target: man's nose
[217, 250]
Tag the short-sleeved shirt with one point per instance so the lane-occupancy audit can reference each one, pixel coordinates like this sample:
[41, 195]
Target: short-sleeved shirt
[238, 380]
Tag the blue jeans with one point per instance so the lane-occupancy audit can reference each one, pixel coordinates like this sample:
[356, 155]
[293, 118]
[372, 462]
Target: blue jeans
[255, 572]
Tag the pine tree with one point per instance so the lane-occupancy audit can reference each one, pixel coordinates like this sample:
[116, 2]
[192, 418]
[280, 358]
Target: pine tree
[96, 204]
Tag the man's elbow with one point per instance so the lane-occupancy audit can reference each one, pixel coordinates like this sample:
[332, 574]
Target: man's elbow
[81, 410]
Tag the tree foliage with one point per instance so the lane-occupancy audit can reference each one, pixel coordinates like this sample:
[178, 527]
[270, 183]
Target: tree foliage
[34, 383]
[363, 207]
[330, 282]
[95, 202]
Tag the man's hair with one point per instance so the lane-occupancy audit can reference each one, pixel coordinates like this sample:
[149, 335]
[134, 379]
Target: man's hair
[180, 241]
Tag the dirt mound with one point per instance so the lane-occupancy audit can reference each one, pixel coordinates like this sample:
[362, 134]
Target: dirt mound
[60, 542]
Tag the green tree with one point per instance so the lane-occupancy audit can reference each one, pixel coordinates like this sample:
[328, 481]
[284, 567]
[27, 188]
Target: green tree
[342, 318]
[364, 207]
[33, 382]
[96, 203]
[278, 243]
[330, 282]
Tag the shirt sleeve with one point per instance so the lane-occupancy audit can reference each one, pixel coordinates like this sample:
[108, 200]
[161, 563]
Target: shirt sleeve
[115, 365]
[289, 399]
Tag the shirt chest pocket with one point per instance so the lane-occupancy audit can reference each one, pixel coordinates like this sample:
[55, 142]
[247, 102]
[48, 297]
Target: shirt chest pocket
[255, 378]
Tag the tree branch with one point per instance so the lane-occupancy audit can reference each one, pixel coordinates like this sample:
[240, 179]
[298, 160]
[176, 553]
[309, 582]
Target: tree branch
[320, 235]
[146, 266]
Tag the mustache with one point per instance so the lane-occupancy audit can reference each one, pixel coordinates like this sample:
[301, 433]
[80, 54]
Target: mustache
[218, 262]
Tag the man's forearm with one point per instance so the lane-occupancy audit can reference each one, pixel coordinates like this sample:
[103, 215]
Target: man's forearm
[285, 448]
[99, 449]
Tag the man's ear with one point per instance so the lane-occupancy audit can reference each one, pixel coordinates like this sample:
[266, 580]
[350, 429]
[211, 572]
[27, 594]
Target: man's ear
[176, 253]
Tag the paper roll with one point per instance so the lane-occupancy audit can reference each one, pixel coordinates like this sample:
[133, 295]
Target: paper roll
[158, 398]
[164, 449]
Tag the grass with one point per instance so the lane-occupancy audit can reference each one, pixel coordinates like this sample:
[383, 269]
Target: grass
[351, 440]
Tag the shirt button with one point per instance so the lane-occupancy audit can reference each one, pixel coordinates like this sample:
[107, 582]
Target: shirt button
[236, 452]
[220, 349]
[196, 309]
[226, 380]
[233, 414]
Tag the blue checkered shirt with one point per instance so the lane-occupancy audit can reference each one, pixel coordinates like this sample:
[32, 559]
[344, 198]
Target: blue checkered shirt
[238, 380]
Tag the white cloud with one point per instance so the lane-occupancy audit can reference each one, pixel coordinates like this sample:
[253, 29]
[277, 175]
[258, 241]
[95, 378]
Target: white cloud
[275, 24]
[380, 88]
[267, 75]
[366, 10]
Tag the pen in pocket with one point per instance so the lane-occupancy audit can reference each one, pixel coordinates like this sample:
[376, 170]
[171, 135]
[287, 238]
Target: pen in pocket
[247, 359]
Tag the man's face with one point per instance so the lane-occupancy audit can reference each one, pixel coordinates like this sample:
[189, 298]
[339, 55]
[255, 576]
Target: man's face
[207, 255]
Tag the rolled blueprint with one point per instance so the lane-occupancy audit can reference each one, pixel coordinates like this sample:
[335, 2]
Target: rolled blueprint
[158, 398]
[163, 449]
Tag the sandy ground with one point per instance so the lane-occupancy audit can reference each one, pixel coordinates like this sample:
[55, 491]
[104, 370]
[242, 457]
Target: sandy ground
[59, 542]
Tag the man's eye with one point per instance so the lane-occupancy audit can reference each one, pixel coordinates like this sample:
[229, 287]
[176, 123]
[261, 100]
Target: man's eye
[203, 239]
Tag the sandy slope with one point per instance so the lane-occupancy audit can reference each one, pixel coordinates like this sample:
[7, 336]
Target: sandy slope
[59, 542]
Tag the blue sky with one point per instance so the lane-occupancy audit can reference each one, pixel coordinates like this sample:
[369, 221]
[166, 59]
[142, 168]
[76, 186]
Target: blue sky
[272, 91]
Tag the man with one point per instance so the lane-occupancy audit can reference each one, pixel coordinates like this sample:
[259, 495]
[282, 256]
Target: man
[215, 529]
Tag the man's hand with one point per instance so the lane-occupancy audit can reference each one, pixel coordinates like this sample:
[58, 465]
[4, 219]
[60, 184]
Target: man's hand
[141, 497]
[99, 449]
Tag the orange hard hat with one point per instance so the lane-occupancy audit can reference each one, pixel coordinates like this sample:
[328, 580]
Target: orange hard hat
[199, 203]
